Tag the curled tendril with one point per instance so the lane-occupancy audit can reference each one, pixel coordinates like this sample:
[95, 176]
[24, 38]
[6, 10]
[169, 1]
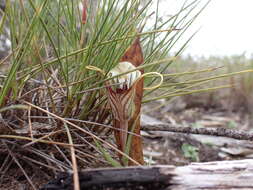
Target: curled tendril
[152, 73]
[94, 68]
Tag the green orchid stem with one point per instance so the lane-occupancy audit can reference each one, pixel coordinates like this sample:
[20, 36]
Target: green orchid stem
[125, 160]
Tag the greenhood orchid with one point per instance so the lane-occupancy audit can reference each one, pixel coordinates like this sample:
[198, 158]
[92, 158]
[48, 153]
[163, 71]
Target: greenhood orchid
[125, 102]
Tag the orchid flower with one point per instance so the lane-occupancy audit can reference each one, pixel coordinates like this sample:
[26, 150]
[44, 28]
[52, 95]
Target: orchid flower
[125, 102]
[121, 99]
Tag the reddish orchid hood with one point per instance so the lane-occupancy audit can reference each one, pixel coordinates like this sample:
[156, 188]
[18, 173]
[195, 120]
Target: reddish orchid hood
[125, 106]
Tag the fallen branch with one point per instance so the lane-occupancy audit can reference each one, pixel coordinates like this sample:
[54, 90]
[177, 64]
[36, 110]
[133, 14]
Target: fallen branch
[222, 175]
[221, 132]
[147, 178]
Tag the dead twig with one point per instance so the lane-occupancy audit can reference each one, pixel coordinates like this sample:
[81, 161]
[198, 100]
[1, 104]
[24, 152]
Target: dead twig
[221, 132]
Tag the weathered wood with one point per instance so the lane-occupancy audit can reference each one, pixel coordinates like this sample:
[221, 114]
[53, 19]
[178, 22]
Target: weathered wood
[222, 175]
[220, 132]
[114, 178]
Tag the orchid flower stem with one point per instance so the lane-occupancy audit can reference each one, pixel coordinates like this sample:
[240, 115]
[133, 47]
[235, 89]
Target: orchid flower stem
[125, 160]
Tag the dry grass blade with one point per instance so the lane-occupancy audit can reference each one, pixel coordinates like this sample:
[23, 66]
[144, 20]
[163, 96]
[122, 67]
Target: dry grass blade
[41, 164]
[84, 131]
[30, 122]
[33, 140]
[73, 158]
[103, 125]
[43, 137]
